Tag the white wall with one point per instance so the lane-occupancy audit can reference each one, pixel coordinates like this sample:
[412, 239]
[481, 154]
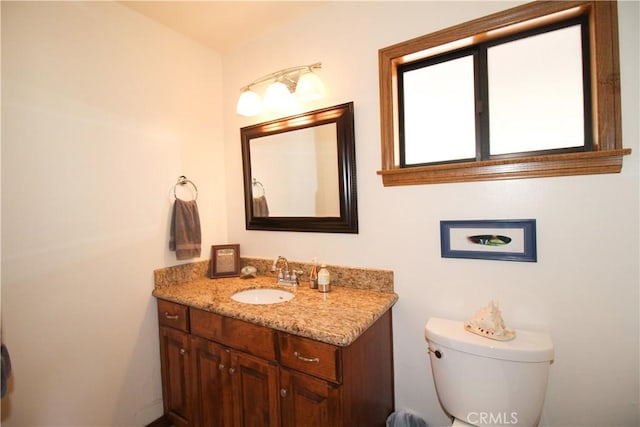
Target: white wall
[584, 288]
[102, 111]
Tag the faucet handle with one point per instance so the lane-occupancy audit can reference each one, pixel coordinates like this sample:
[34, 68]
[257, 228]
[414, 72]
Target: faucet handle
[295, 273]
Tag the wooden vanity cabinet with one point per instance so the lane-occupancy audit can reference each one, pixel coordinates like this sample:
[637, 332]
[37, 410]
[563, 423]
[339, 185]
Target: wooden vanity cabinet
[309, 401]
[246, 375]
[255, 391]
[232, 388]
[235, 372]
[211, 382]
[327, 385]
[175, 362]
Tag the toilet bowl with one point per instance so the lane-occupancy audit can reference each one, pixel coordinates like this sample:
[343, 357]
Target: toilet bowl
[484, 382]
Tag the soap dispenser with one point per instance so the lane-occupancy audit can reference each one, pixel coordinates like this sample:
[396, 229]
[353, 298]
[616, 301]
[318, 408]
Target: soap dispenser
[313, 274]
[324, 279]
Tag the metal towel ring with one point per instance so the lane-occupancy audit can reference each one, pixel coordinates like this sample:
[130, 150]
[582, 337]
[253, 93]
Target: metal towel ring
[182, 180]
[257, 183]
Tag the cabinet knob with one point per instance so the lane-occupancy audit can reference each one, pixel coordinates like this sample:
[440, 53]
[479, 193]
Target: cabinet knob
[221, 366]
[232, 371]
[183, 351]
[283, 392]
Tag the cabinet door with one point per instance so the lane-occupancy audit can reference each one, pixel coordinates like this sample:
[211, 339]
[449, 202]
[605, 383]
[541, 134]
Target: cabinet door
[255, 390]
[175, 360]
[309, 401]
[212, 386]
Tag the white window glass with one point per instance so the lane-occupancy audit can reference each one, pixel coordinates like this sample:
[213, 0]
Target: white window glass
[535, 93]
[439, 112]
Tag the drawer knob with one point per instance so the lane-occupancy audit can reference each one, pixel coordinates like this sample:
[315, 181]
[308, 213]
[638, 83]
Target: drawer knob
[171, 316]
[232, 371]
[182, 351]
[221, 366]
[283, 392]
[306, 359]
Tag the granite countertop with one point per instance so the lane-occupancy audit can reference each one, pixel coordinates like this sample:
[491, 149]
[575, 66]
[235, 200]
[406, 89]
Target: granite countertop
[337, 317]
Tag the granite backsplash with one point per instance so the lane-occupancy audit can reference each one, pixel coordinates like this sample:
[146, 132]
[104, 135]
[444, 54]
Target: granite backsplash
[350, 277]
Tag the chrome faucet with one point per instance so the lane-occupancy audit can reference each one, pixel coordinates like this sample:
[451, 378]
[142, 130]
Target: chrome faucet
[285, 277]
[277, 262]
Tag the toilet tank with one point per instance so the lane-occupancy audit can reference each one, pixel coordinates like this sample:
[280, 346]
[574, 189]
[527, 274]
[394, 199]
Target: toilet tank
[486, 382]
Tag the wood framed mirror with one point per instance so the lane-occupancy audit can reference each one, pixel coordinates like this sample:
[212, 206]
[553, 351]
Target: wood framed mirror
[300, 172]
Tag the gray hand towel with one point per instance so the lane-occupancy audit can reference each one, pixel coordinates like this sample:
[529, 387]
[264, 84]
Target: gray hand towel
[6, 369]
[185, 236]
[260, 207]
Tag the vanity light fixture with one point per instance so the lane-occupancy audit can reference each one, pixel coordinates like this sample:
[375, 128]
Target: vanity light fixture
[283, 84]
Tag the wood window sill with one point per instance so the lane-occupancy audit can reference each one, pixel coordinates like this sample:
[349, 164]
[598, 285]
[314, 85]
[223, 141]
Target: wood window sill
[593, 162]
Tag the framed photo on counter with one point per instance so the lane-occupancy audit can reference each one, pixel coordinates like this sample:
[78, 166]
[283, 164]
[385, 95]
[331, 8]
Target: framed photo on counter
[225, 261]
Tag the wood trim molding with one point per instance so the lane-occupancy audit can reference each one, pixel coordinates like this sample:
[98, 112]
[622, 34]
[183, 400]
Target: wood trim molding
[160, 422]
[607, 153]
[594, 162]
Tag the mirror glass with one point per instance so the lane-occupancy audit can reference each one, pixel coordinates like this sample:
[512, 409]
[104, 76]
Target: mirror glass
[299, 172]
[308, 184]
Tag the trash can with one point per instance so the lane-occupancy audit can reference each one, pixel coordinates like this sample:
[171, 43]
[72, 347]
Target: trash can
[404, 418]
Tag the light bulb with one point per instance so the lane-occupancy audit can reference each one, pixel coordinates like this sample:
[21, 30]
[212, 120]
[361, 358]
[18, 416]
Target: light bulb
[309, 87]
[249, 103]
[278, 97]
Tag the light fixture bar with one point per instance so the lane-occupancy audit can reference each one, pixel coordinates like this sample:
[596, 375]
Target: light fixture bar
[279, 95]
[282, 74]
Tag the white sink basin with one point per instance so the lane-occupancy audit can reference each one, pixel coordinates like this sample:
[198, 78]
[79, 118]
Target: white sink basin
[262, 296]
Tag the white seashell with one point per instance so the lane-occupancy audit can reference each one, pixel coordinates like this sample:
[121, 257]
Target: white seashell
[488, 322]
[248, 272]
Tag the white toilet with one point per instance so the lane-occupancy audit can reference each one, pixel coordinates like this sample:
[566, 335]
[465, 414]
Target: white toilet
[484, 382]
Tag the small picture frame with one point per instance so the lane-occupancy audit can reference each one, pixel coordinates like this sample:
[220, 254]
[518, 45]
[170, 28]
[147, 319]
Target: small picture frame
[506, 240]
[225, 261]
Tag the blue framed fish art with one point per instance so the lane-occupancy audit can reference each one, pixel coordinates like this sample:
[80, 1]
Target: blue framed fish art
[506, 240]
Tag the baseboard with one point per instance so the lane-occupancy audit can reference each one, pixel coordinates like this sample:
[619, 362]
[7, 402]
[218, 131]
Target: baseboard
[160, 422]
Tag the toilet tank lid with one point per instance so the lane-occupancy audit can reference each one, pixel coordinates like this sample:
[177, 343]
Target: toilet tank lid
[527, 346]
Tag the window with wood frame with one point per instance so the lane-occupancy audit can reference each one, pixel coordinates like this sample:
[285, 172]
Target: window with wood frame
[532, 91]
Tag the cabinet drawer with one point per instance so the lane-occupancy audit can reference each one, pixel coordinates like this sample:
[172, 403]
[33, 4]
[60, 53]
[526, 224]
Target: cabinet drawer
[173, 315]
[311, 357]
[257, 340]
